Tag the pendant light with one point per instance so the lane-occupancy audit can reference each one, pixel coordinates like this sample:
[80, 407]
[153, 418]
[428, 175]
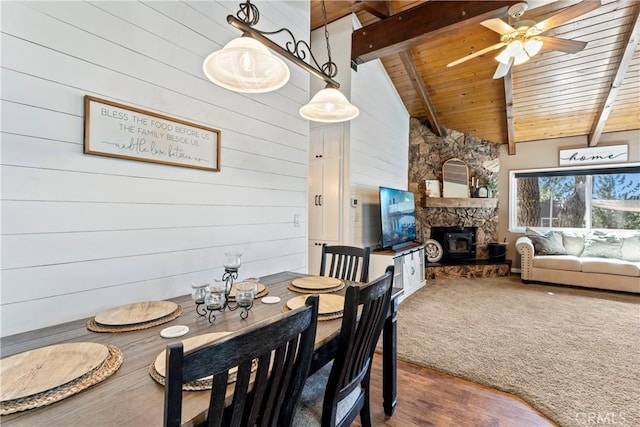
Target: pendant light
[246, 64]
[329, 105]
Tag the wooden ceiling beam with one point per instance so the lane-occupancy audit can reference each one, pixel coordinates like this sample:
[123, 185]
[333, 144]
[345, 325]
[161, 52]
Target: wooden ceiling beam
[401, 31]
[508, 100]
[379, 9]
[623, 65]
[416, 79]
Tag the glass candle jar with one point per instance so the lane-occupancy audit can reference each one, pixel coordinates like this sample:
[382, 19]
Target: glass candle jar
[255, 281]
[232, 260]
[244, 294]
[200, 291]
[217, 294]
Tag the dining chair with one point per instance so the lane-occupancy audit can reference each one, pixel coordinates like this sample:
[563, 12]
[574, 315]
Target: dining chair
[282, 346]
[337, 393]
[345, 262]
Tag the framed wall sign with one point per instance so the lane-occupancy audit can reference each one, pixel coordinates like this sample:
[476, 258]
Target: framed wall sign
[594, 155]
[432, 187]
[116, 130]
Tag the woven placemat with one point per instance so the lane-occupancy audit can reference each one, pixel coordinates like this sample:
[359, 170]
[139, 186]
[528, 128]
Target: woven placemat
[93, 326]
[110, 365]
[294, 288]
[198, 385]
[332, 316]
[264, 293]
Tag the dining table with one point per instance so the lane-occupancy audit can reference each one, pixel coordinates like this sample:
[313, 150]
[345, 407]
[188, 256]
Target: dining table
[131, 397]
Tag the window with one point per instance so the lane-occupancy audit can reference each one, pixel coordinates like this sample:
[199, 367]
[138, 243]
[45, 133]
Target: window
[601, 198]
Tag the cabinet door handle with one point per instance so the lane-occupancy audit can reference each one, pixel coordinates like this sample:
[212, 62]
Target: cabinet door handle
[320, 199]
[315, 200]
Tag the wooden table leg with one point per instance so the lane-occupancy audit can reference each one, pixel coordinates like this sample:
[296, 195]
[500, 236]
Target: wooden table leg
[389, 359]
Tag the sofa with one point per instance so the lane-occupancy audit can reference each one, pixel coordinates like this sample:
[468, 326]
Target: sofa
[593, 259]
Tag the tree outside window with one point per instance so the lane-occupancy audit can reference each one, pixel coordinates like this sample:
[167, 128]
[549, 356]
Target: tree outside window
[603, 198]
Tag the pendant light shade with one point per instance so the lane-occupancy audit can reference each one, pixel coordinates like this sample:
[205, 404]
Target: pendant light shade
[329, 105]
[246, 65]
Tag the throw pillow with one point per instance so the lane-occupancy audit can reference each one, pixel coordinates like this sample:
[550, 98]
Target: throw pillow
[602, 245]
[573, 242]
[549, 243]
[631, 248]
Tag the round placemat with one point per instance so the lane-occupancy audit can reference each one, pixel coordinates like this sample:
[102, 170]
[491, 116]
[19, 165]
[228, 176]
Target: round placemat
[46, 368]
[294, 288]
[133, 314]
[321, 317]
[262, 291]
[110, 365]
[316, 282]
[93, 326]
[329, 303]
[157, 370]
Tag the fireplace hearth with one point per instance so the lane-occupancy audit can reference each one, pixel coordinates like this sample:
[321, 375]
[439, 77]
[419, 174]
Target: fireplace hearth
[458, 243]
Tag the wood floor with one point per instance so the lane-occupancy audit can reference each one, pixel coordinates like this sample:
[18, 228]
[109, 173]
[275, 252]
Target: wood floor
[429, 398]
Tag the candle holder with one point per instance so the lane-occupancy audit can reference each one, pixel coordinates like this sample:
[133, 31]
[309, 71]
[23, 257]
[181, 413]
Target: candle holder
[215, 297]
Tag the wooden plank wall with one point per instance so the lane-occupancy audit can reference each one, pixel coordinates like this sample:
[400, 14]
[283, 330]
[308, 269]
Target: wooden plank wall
[83, 233]
[379, 148]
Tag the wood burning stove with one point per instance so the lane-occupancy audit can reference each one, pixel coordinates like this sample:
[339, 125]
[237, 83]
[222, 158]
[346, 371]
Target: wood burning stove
[458, 243]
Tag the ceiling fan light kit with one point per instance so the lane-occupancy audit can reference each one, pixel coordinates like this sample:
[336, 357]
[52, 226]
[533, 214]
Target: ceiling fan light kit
[247, 65]
[524, 39]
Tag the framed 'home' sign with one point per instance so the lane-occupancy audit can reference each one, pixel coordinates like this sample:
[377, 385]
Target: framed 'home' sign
[116, 130]
[594, 155]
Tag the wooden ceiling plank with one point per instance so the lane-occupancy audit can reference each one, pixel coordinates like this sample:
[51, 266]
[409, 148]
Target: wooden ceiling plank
[421, 88]
[379, 9]
[625, 61]
[410, 27]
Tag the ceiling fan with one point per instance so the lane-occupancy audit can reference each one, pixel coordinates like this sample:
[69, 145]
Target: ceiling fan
[524, 39]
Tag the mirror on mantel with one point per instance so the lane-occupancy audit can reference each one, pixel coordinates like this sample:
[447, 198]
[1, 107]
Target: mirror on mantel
[455, 178]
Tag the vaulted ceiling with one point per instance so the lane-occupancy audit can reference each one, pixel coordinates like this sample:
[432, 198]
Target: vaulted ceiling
[553, 95]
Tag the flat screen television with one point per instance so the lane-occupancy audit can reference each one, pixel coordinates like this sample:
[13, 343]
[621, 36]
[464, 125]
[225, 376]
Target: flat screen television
[397, 217]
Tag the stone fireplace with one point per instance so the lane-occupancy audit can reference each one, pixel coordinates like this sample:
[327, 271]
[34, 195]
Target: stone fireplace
[427, 153]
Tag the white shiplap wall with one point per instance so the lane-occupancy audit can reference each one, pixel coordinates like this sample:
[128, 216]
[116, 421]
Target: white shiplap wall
[379, 148]
[376, 142]
[83, 233]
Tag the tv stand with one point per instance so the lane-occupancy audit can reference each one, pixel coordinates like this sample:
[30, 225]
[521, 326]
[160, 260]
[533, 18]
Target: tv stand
[400, 246]
[409, 266]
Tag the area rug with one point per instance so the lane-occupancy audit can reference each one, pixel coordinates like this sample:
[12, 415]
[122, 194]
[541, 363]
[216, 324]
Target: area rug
[573, 354]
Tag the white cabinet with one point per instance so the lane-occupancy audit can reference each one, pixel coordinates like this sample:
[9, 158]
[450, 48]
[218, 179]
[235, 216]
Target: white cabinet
[409, 268]
[325, 189]
[325, 142]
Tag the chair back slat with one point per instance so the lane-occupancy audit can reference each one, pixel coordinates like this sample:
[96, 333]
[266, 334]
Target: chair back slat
[281, 347]
[345, 262]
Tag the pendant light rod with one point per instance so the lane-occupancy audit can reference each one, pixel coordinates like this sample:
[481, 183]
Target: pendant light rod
[248, 31]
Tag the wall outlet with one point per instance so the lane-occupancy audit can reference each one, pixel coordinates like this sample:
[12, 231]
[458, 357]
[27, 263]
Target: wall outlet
[296, 220]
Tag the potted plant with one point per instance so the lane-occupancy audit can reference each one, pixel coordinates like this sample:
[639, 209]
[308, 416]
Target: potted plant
[492, 186]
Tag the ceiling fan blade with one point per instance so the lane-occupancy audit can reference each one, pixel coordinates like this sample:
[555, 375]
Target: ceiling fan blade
[502, 69]
[568, 14]
[563, 45]
[498, 25]
[475, 54]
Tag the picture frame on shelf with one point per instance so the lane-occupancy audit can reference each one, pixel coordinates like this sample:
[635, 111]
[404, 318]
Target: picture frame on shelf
[482, 192]
[432, 188]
